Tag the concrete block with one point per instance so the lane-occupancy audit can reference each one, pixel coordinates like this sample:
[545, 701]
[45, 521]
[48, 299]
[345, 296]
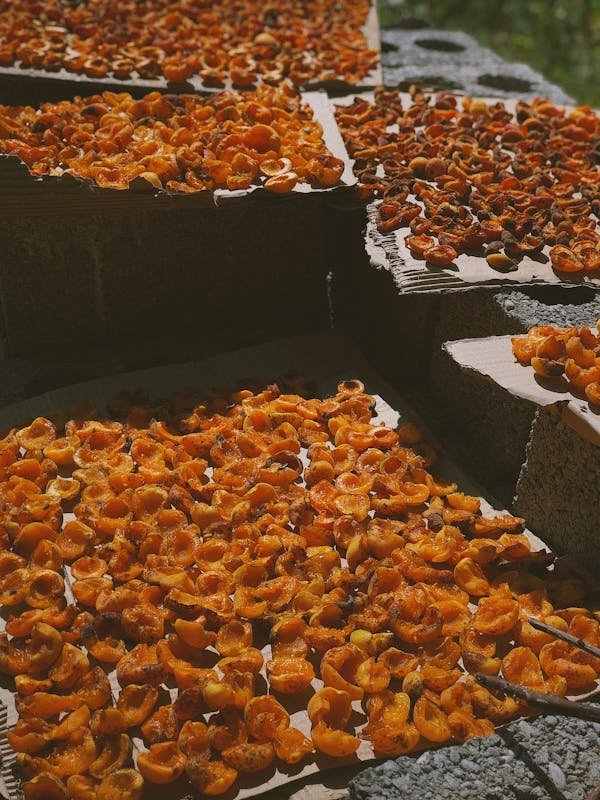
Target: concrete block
[558, 490]
[455, 61]
[548, 758]
[392, 330]
[247, 272]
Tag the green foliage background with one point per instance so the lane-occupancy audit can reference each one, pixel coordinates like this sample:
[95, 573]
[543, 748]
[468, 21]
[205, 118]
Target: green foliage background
[559, 38]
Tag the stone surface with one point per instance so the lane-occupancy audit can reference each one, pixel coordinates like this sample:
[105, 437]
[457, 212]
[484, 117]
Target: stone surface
[452, 60]
[558, 488]
[248, 271]
[552, 306]
[393, 331]
[406, 48]
[547, 758]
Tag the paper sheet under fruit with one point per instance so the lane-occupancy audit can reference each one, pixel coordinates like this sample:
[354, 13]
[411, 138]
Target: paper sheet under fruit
[493, 357]
[412, 275]
[325, 359]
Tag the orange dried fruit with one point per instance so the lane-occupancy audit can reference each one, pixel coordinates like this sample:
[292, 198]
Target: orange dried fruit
[81, 787]
[211, 778]
[265, 717]
[135, 702]
[123, 784]
[69, 668]
[559, 659]
[250, 756]
[334, 742]
[35, 654]
[395, 741]
[107, 721]
[291, 745]
[496, 616]
[465, 726]
[115, 752]
[162, 763]
[74, 539]
[430, 720]
[522, 666]
[398, 663]
[282, 184]
[194, 634]
[29, 735]
[273, 535]
[142, 623]
[73, 758]
[161, 726]
[93, 689]
[45, 786]
[290, 675]
[470, 577]
[141, 666]
[31, 535]
[339, 667]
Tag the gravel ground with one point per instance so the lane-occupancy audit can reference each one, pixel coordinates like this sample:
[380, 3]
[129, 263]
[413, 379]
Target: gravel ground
[547, 758]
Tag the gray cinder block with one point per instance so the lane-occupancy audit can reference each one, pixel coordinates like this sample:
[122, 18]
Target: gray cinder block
[559, 488]
[392, 329]
[240, 272]
[541, 759]
[453, 60]
[421, 47]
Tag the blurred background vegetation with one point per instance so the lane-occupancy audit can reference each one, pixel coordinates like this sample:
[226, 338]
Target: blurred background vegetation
[559, 38]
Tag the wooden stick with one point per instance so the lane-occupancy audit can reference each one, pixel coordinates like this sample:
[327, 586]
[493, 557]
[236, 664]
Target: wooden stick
[549, 703]
[566, 637]
[594, 794]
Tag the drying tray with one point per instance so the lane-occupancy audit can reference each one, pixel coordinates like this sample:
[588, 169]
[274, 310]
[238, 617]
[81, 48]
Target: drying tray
[326, 360]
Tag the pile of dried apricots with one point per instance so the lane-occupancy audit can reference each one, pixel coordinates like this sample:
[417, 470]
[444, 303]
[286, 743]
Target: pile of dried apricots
[204, 528]
[570, 353]
[244, 42]
[467, 176]
[181, 143]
